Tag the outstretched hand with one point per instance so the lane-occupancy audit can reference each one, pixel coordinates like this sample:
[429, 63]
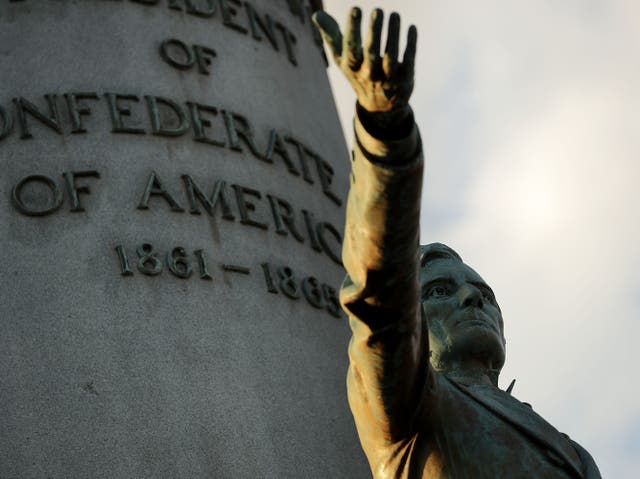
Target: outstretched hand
[381, 83]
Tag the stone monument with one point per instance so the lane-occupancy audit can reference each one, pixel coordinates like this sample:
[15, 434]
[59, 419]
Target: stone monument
[173, 188]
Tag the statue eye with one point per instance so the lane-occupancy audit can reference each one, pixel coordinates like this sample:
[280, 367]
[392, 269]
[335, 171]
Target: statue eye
[438, 292]
[488, 297]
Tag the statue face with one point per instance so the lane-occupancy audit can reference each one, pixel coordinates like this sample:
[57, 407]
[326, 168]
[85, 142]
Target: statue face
[463, 316]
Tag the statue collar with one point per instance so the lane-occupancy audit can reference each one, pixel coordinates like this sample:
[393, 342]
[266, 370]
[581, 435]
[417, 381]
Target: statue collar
[526, 420]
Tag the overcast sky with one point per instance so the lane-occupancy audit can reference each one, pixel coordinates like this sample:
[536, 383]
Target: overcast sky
[529, 115]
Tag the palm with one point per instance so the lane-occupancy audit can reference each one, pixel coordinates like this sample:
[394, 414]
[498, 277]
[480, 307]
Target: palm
[381, 83]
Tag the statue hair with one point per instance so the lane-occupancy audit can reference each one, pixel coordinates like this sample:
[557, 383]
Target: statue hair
[434, 251]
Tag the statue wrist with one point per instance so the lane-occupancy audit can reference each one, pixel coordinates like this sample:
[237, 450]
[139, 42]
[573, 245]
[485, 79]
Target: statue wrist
[387, 125]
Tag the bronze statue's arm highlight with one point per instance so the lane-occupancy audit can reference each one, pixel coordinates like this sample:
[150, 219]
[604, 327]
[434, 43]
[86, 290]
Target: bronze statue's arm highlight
[389, 350]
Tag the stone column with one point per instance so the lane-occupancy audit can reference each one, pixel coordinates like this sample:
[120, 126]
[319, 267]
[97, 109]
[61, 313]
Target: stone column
[172, 195]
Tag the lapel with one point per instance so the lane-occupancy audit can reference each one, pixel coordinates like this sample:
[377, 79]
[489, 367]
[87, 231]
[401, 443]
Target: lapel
[523, 418]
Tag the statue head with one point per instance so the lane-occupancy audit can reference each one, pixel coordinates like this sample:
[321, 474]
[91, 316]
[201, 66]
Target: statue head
[464, 320]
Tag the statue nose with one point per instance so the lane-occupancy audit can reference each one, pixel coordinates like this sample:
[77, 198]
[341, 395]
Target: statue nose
[469, 295]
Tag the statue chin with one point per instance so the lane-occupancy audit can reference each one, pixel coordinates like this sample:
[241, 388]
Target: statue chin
[472, 343]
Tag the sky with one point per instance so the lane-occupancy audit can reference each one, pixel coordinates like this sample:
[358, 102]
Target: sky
[528, 111]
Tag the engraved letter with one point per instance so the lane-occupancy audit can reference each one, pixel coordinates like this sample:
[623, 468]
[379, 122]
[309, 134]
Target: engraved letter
[178, 124]
[76, 110]
[245, 207]
[295, 7]
[207, 11]
[155, 188]
[75, 190]
[52, 121]
[177, 54]
[325, 172]
[228, 12]
[7, 123]
[289, 41]
[118, 111]
[276, 146]
[267, 26]
[283, 216]
[303, 156]
[203, 58]
[200, 124]
[309, 222]
[238, 128]
[19, 203]
[322, 228]
[219, 194]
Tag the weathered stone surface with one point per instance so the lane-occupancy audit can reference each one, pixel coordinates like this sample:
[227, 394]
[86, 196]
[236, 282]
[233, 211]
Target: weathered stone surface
[105, 375]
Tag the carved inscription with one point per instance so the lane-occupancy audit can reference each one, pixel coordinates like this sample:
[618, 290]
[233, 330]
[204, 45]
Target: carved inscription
[177, 262]
[41, 195]
[278, 280]
[239, 16]
[185, 57]
[27, 195]
[165, 117]
[128, 113]
[284, 280]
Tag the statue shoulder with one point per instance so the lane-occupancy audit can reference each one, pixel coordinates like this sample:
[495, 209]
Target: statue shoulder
[589, 466]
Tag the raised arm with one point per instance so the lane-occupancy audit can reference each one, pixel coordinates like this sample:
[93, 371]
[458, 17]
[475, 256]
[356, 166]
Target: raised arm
[389, 351]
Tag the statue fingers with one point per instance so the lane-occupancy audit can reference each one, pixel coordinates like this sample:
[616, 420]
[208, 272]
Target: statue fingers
[390, 60]
[352, 43]
[409, 60]
[330, 32]
[372, 60]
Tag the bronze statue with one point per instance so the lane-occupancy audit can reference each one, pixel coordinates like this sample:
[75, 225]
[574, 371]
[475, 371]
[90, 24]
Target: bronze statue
[428, 341]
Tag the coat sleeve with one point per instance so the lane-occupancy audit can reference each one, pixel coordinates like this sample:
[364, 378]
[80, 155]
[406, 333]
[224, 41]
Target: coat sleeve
[388, 352]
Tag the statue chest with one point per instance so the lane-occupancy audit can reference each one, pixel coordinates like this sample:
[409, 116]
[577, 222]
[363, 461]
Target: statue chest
[482, 432]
